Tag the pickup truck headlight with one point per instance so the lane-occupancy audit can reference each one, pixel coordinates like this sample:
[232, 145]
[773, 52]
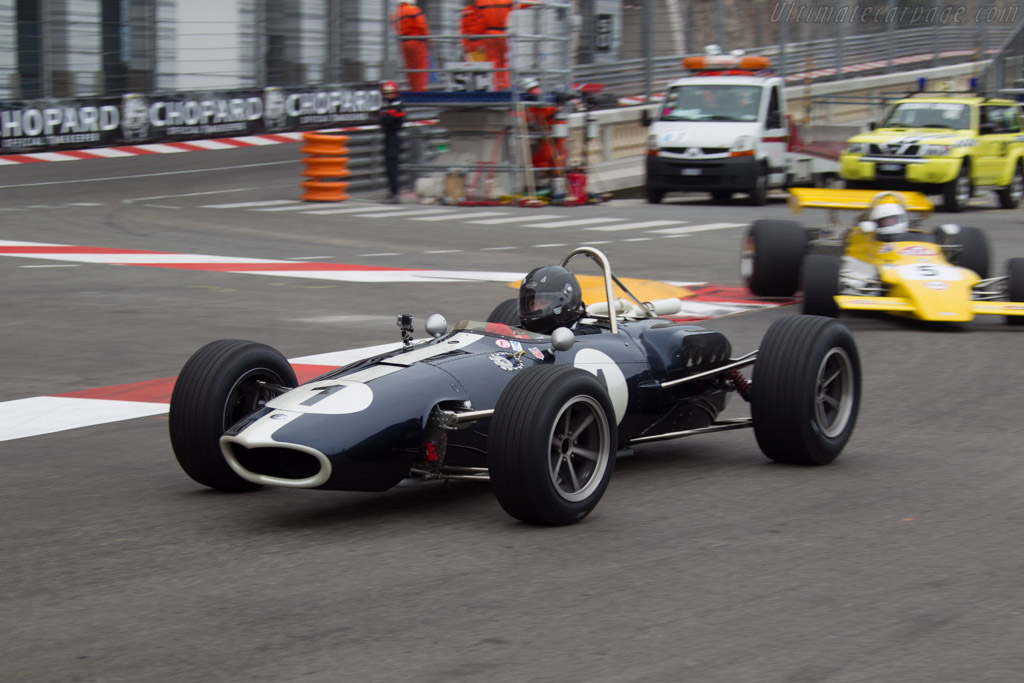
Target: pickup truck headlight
[857, 148]
[935, 150]
[743, 146]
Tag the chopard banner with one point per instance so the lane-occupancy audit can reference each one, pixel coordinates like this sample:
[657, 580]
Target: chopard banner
[74, 123]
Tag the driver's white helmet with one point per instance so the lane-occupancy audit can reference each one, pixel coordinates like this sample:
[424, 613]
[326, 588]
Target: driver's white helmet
[890, 217]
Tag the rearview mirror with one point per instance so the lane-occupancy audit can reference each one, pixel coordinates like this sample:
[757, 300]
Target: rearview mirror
[562, 339]
[645, 118]
[436, 325]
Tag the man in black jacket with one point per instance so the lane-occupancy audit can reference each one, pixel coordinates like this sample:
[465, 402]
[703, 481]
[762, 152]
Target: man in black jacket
[391, 118]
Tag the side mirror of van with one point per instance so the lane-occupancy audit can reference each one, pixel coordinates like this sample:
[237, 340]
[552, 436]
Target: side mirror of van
[645, 118]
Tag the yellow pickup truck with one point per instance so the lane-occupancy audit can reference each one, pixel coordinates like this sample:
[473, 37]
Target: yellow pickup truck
[944, 145]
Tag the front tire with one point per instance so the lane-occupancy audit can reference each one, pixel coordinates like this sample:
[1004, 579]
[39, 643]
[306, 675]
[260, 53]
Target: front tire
[654, 195]
[957, 192]
[219, 385]
[806, 390]
[552, 444]
[772, 252]
[758, 194]
[821, 285]
[1015, 287]
[974, 251]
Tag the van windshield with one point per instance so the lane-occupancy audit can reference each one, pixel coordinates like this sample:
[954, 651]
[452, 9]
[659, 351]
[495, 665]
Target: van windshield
[700, 102]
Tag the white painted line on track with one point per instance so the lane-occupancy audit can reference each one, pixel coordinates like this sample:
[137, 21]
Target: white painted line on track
[636, 226]
[45, 414]
[698, 228]
[463, 216]
[497, 248]
[515, 219]
[353, 209]
[297, 206]
[573, 223]
[250, 205]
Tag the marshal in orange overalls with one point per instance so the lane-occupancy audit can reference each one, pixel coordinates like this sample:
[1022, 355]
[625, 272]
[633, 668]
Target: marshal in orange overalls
[493, 20]
[409, 20]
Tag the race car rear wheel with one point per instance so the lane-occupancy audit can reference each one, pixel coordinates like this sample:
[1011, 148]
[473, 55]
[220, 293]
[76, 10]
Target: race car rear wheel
[957, 192]
[770, 261]
[1010, 196]
[821, 284]
[1015, 287]
[552, 444]
[806, 390]
[220, 384]
[973, 252]
[506, 313]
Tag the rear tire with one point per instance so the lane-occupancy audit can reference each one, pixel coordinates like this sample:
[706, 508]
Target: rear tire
[507, 313]
[821, 285]
[806, 390]
[1010, 196]
[552, 445]
[1015, 287]
[772, 252]
[654, 195]
[220, 385]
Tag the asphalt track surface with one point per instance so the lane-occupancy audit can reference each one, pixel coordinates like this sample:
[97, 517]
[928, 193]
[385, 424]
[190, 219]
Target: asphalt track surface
[704, 561]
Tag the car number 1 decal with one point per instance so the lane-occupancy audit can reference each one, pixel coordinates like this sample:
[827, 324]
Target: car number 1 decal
[604, 368]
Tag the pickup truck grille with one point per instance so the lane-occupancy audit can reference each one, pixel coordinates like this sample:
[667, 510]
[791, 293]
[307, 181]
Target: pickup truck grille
[895, 150]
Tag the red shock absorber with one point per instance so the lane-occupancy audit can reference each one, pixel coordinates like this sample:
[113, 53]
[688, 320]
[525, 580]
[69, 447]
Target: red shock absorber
[739, 383]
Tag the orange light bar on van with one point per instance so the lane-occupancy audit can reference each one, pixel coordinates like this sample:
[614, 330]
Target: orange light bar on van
[747, 62]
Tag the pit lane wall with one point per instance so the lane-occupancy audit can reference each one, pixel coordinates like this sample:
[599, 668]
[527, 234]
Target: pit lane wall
[75, 123]
[618, 141]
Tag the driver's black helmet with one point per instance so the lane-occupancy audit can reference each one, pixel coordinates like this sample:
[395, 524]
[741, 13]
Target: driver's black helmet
[549, 297]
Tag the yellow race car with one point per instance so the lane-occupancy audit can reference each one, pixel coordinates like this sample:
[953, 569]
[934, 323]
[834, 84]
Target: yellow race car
[885, 262]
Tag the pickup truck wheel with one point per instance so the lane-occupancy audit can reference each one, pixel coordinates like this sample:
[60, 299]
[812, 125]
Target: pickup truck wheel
[821, 285]
[957, 192]
[552, 444]
[1010, 196]
[654, 195]
[758, 195]
[771, 256]
[507, 313]
[1015, 287]
[806, 390]
[973, 253]
[220, 384]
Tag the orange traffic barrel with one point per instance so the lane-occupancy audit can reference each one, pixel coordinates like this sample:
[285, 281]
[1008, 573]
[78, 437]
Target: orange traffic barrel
[326, 164]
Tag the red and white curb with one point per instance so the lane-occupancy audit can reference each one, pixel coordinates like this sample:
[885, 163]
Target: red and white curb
[178, 147]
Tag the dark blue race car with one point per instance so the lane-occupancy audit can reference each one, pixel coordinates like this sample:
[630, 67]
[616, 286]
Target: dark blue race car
[542, 416]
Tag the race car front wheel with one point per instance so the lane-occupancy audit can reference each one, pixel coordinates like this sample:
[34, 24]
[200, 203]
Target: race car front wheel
[821, 284]
[771, 255]
[507, 313]
[806, 390]
[220, 384]
[552, 444]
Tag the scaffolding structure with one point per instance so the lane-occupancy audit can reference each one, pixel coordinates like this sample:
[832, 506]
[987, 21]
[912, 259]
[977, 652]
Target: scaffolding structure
[484, 132]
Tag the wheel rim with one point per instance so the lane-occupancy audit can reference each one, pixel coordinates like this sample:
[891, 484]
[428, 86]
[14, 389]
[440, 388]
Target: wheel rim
[580, 449]
[834, 393]
[248, 394]
[963, 189]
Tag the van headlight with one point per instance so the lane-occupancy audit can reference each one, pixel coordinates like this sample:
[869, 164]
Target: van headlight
[857, 148]
[743, 146]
